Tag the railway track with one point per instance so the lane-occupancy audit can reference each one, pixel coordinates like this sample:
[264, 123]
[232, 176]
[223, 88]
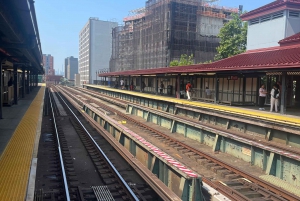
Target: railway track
[123, 104]
[256, 188]
[63, 181]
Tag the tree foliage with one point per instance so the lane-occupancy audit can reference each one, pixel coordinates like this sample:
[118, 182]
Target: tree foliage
[233, 38]
[185, 60]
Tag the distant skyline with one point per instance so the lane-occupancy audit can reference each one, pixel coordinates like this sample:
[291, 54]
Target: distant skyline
[60, 22]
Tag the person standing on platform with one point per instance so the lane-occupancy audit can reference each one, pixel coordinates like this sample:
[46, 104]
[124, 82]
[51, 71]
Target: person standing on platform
[131, 85]
[279, 87]
[274, 98]
[262, 97]
[122, 83]
[208, 92]
[161, 87]
[188, 88]
[143, 86]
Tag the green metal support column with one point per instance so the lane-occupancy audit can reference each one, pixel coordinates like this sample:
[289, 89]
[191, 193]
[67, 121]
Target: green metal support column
[216, 143]
[257, 88]
[156, 85]
[252, 155]
[265, 161]
[151, 161]
[201, 86]
[173, 126]
[244, 89]
[283, 92]
[268, 134]
[1, 88]
[178, 86]
[132, 147]
[23, 82]
[280, 168]
[15, 84]
[147, 116]
[183, 190]
[27, 81]
[163, 172]
[141, 80]
[270, 163]
[129, 82]
[216, 89]
[190, 190]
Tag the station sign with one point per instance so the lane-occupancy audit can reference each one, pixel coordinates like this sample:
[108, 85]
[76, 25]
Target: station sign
[232, 77]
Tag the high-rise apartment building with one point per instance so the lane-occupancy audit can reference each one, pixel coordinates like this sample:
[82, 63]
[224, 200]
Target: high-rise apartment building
[166, 29]
[95, 44]
[71, 67]
[48, 62]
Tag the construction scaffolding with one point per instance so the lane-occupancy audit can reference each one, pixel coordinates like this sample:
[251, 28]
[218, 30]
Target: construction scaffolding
[166, 29]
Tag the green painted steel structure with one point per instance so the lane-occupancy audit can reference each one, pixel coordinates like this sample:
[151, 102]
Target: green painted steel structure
[187, 188]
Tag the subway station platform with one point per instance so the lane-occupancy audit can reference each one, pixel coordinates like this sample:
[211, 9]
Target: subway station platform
[251, 112]
[19, 136]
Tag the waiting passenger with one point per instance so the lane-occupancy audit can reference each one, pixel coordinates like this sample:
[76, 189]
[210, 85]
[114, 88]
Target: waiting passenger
[279, 87]
[143, 86]
[274, 98]
[188, 88]
[161, 87]
[131, 86]
[208, 92]
[122, 83]
[262, 97]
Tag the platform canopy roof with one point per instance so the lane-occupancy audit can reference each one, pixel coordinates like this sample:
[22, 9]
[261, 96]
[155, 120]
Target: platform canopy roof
[272, 7]
[285, 57]
[292, 40]
[19, 34]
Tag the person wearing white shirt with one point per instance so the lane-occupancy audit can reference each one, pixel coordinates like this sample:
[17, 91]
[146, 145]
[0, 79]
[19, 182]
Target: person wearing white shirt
[262, 97]
[122, 83]
[274, 97]
[208, 92]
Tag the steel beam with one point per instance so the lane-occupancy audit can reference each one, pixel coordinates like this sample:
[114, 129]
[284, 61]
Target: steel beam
[1, 88]
[16, 85]
[23, 82]
[270, 163]
[283, 92]
[189, 186]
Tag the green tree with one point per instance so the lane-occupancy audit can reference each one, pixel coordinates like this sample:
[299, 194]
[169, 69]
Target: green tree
[233, 38]
[185, 60]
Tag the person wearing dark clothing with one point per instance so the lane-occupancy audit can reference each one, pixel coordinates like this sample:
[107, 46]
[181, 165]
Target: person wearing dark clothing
[10, 82]
[161, 87]
[275, 93]
[180, 92]
[131, 85]
[143, 86]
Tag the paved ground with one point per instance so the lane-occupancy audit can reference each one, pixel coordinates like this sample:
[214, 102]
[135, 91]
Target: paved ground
[12, 116]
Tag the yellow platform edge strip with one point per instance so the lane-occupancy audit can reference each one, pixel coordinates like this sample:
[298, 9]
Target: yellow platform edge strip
[15, 160]
[274, 117]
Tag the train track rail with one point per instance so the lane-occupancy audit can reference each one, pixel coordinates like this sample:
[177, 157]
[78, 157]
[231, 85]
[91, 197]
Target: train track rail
[123, 104]
[114, 186]
[235, 189]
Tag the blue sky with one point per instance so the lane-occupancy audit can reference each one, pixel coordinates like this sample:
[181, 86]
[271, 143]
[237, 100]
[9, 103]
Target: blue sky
[60, 21]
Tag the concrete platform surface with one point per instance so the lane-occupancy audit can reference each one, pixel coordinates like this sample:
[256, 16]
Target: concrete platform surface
[12, 116]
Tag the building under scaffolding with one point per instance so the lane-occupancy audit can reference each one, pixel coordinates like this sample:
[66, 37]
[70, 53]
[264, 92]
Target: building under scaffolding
[166, 29]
